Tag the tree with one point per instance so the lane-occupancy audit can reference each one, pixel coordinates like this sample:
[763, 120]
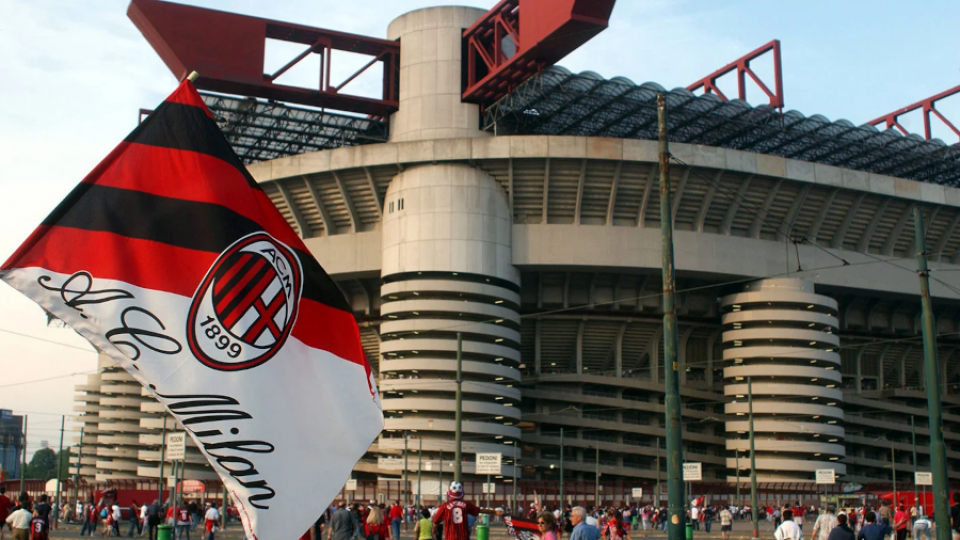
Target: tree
[43, 465]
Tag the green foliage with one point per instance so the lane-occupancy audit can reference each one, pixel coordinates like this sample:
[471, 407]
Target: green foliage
[44, 464]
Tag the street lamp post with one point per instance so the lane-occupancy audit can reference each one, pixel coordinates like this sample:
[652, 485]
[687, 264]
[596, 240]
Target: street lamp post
[561, 471]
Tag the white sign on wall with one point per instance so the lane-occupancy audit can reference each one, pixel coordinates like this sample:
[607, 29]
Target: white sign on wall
[826, 476]
[488, 463]
[351, 485]
[924, 478]
[637, 493]
[490, 488]
[692, 472]
[176, 446]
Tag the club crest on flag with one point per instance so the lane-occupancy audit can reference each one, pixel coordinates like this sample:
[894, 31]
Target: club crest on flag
[245, 307]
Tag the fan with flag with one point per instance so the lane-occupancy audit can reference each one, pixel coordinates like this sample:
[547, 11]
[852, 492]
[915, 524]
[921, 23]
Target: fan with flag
[170, 259]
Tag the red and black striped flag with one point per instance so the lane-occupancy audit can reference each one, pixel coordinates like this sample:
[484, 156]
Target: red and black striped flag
[170, 259]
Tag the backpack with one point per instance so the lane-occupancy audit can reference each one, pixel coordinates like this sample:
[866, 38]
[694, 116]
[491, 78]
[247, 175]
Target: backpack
[371, 532]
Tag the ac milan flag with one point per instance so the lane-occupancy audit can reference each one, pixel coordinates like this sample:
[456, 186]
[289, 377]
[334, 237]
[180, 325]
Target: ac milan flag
[170, 259]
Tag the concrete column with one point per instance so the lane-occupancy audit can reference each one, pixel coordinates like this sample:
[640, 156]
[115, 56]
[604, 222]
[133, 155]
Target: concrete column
[430, 76]
[536, 346]
[580, 347]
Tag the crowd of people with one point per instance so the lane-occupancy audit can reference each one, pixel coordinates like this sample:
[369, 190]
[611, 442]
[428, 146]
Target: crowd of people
[30, 520]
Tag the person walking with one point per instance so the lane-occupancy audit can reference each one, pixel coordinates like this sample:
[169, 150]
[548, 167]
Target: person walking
[5, 505]
[376, 527]
[582, 530]
[788, 530]
[824, 524]
[871, 529]
[455, 514]
[955, 516]
[613, 528]
[901, 520]
[212, 521]
[343, 525]
[19, 522]
[183, 521]
[133, 519]
[423, 530]
[842, 531]
[153, 518]
[396, 517]
[726, 523]
[547, 524]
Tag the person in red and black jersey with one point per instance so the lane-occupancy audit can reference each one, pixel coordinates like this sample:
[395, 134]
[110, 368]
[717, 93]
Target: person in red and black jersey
[453, 514]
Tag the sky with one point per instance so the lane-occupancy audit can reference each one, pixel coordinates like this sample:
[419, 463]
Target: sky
[75, 75]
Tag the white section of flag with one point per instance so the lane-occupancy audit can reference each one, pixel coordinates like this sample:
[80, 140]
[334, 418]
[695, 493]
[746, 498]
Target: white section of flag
[323, 424]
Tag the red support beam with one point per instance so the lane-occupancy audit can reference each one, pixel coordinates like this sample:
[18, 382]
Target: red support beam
[227, 50]
[518, 38]
[743, 69]
[927, 107]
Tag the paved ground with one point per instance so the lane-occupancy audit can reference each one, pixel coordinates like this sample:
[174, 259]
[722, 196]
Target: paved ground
[741, 531]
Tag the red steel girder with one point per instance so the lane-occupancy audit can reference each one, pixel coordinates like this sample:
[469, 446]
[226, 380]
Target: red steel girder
[742, 67]
[227, 50]
[927, 106]
[542, 32]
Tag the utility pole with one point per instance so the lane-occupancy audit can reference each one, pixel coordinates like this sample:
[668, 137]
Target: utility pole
[23, 456]
[514, 502]
[913, 438]
[596, 496]
[163, 452]
[753, 465]
[561, 473]
[76, 479]
[406, 492]
[677, 519]
[458, 463]
[419, 468]
[440, 491]
[739, 500]
[658, 473]
[56, 518]
[893, 466]
[938, 453]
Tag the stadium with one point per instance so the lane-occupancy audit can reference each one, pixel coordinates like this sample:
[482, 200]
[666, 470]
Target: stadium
[494, 197]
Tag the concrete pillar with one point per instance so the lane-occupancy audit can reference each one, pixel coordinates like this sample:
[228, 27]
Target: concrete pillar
[430, 76]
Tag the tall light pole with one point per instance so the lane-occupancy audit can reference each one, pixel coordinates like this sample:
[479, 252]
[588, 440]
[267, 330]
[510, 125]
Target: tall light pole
[419, 468]
[458, 463]
[938, 453]
[406, 492]
[753, 465]
[677, 518]
[596, 496]
[913, 438]
[893, 466]
[56, 518]
[658, 473]
[23, 455]
[561, 472]
[76, 480]
[163, 451]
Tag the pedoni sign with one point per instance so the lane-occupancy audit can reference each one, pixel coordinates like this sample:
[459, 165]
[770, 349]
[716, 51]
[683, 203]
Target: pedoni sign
[923, 478]
[826, 476]
[489, 463]
[692, 472]
[176, 446]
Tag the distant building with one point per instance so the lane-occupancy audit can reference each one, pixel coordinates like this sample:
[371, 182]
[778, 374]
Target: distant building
[11, 442]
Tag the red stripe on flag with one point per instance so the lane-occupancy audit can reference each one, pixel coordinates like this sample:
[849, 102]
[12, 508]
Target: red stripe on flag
[159, 171]
[238, 288]
[160, 267]
[230, 319]
[323, 327]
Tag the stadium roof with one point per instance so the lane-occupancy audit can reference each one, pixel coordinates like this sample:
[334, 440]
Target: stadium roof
[259, 130]
[558, 102]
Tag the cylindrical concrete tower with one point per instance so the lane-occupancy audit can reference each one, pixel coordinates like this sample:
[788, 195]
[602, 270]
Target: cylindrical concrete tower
[447, 266]
[430, 76]
[784, 336]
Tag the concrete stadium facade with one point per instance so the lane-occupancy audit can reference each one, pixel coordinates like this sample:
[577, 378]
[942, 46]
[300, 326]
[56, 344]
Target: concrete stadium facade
[543, 253]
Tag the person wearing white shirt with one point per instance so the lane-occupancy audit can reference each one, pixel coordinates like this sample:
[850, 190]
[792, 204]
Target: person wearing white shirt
[825, 523]
[19, 523]
[212, 521]
[788, 530]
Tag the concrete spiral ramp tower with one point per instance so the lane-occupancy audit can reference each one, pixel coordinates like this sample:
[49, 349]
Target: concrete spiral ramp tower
[783, 335]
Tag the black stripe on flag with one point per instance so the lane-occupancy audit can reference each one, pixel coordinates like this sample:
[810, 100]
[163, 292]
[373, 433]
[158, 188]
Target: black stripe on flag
[185, 127]
[193, 225]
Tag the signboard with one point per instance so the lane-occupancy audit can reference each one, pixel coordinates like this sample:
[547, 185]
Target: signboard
[176, 444]
[488, 463]
[490, 488]
[192, 486]
[692, 472]
[826, 477]
[428, 466]
[388, 462]
[923, 478]
[351, 485]
[852, 488]
[637, 493]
